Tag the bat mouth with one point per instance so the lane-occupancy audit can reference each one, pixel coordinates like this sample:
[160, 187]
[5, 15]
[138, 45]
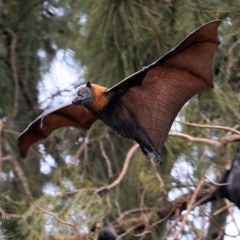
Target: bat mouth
[81, 101]
[76, 101]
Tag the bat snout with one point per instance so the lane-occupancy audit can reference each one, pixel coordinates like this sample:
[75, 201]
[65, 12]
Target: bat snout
[76, 100]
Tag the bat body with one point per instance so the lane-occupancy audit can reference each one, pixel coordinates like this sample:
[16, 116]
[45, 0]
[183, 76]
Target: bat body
[107, 232]
[144, 105]
[107, 107]
[231, 191]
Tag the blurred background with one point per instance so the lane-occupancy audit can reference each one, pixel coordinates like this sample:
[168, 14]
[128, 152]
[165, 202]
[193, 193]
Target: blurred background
[47, 48]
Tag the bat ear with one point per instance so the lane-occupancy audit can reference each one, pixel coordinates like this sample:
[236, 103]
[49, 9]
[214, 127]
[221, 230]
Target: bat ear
[89, 85]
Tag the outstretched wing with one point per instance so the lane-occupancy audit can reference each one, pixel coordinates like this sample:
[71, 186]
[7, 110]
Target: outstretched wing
[61, 116]
[155, 95]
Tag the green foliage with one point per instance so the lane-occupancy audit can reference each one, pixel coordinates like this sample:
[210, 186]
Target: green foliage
[110, 40]
[42, 224]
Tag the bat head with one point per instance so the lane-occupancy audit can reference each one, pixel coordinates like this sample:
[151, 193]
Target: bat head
[84, 95]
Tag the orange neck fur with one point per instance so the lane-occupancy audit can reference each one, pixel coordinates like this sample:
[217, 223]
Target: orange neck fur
[100, 99]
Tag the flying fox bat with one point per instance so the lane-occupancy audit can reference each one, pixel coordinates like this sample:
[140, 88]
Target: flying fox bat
[144, 105]
[107, 232]
[231, 190]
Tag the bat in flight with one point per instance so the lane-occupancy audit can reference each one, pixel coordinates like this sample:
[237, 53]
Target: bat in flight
[144, 105]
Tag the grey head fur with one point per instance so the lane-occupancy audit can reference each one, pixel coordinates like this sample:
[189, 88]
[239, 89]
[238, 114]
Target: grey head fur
[84, 95]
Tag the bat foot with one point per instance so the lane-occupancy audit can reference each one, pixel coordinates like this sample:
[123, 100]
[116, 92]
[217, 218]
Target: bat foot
[151, 156]
[159, 160]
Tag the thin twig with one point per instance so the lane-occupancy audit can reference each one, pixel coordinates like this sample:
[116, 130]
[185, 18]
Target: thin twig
[231, 213]
[8, 157]
[158, 176]
[190, 205]
[135, 210]
[166, 233]
[9, 214]
[210, 126]
[123, 172]
[118, 207]
[97, 231]
[56, 217]
[129, 230]
[193, 139]
[229, 138]
[215, 183]
[86, 142]
[14, 70]
[163, 219]
[75, 226]
[219, 227]
[221, 209]
[142, 205]
[105, 156]
[142, 234]
[22, 177]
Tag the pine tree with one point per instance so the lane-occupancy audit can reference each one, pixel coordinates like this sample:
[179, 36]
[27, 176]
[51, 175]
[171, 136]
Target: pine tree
[110, 40]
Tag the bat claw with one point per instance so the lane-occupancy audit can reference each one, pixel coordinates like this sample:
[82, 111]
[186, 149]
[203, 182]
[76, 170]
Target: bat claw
[151, 156]
[159, 160]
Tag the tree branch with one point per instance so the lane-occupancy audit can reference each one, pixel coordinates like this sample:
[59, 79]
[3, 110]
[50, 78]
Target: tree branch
[219, 144]
[9, 214]
[14, 70]
[210, 126]
[194, 139]
[59, 219]
[123, 172]
[190, 204]
[105, 156]
[173, 209]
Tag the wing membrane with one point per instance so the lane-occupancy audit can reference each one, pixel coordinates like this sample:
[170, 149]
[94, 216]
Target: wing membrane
[66, 115]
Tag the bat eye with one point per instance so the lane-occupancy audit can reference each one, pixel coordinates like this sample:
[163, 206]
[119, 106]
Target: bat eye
[79, 94]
